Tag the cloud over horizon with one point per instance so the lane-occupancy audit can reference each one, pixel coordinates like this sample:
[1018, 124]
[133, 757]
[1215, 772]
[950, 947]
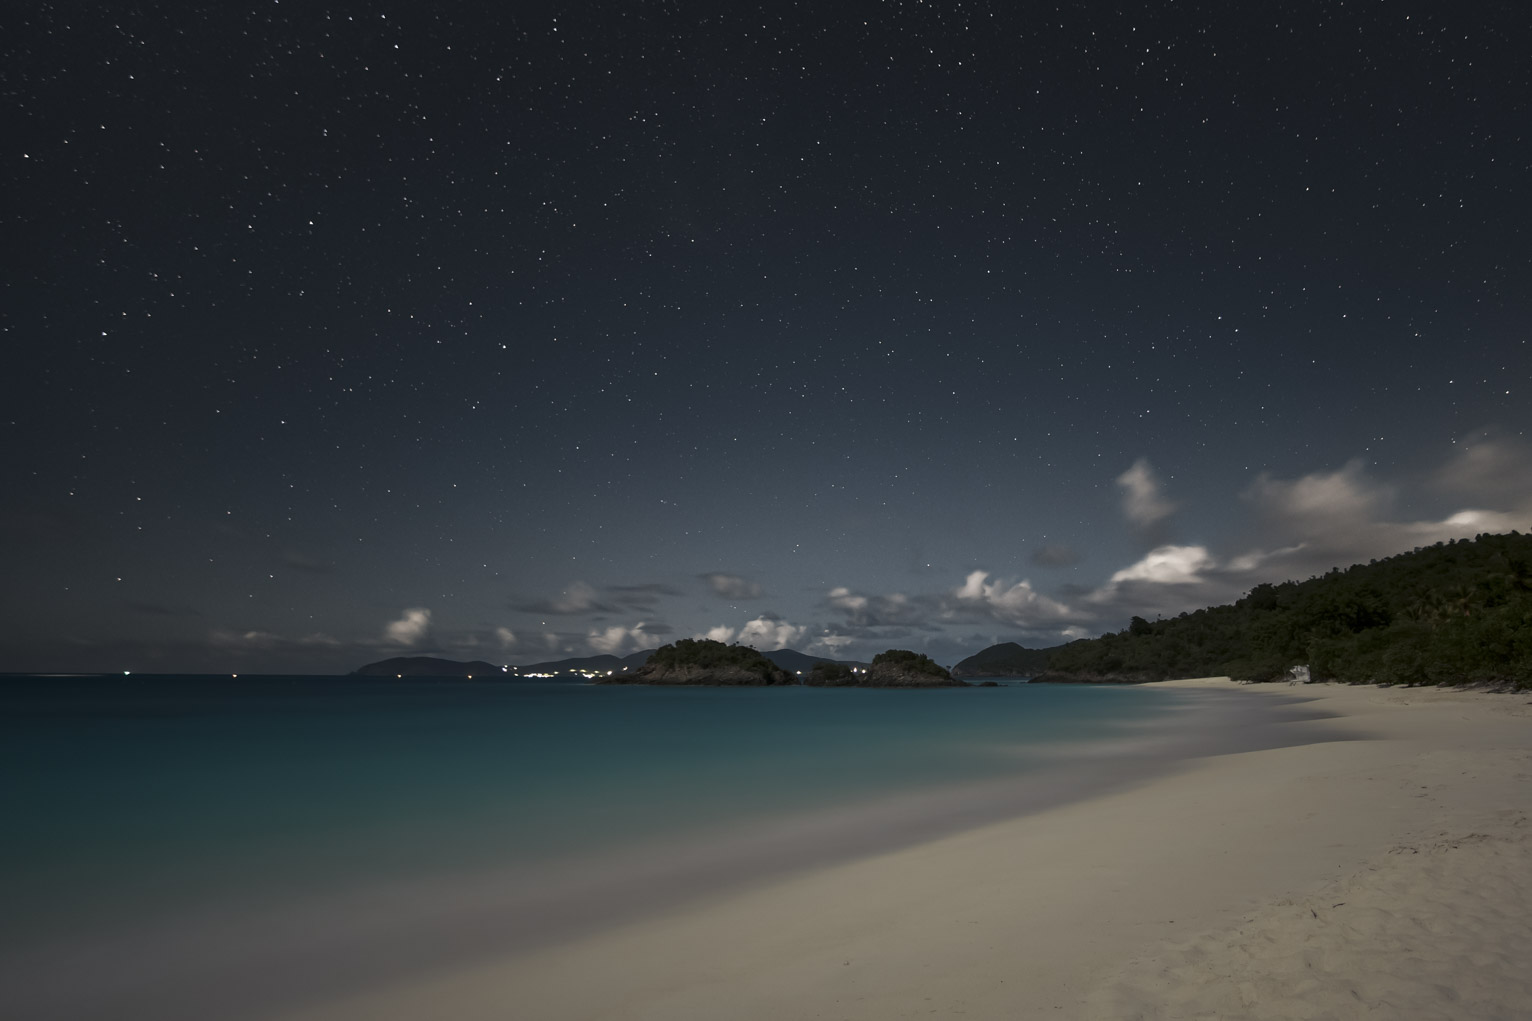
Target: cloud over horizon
[767, 633]
[732, 586]
[1143, 500]
[410, 630]
[1281, 528]
[1017, 603]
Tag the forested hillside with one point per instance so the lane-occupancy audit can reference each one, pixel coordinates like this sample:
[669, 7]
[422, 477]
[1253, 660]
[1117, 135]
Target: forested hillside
[1453, 613]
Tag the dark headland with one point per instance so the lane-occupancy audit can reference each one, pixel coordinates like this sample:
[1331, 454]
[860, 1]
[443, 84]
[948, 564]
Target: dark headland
[705, 662]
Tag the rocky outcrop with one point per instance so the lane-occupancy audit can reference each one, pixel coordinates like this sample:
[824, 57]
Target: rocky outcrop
[903, 675]
[892, 669]
[697, 661]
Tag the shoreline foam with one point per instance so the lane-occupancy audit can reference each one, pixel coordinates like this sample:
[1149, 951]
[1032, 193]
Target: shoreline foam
[1145, 902]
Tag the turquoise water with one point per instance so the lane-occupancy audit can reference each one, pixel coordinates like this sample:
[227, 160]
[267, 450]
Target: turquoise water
[152, 788]
[135, 802]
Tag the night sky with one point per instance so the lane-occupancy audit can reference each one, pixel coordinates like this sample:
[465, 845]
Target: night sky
[518, 331]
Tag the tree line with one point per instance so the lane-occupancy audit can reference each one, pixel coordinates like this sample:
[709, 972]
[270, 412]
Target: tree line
[1453, 613]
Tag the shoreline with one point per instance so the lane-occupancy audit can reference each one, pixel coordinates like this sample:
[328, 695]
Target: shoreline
[1137, 902]
[252, 953]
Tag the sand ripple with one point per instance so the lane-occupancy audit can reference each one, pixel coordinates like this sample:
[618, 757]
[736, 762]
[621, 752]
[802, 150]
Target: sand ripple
[1436, 929]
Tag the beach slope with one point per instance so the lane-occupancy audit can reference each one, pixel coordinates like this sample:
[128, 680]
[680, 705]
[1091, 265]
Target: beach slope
[1380, 877]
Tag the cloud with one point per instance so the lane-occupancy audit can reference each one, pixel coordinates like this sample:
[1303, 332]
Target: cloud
[612, 640]
[410, 630]
[1335, 519]
[1143, 503]
[732, 586]
[640, 596]
[246, 641]
[576, 599]
[1017, 604]
[1308, 525]
[582, 598]
[1168, 565]
[1320, 504]
[508, 639]
[767, 632]
[830, 644]
[618, 640]
[894, 610]
[1165, 581]
[1486, 470]
[1055, 556]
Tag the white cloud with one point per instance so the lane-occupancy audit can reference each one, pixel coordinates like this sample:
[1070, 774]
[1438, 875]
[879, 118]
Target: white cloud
[844, 599]
[1018, 604]
[1143, 503]
[507, 637]
[411, 629]
[829, 644]
[732, 586]
[612, 640]
[618, 640]
[1320, 503]
[765, 632]
[1168, 565]
[893, 610]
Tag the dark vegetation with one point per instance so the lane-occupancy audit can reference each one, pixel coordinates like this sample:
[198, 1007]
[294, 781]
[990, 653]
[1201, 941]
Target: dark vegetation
[1004, 660]
[701, 661]
[828, 673]
[912, 662]
[711, 655]
[1453, 613]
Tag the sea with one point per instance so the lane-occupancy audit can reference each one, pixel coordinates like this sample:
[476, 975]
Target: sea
[200, 846]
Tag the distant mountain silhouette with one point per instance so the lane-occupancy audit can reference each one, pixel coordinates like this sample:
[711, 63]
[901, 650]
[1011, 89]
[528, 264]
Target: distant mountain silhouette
[795, 662]
[428, 666]
[1004, 660]
[632, 661]
[576, 667]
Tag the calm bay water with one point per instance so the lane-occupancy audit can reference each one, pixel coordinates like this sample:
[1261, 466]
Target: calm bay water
[136, 803]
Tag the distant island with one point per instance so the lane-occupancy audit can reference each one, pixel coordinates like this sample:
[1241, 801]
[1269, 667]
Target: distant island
[576, 668]
[581, 667]
[1004, 660]
[896, 668]
[1454, 613]
[701, 661]
[428, 666]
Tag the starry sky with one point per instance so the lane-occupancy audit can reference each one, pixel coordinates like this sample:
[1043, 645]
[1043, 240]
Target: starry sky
[521, 331]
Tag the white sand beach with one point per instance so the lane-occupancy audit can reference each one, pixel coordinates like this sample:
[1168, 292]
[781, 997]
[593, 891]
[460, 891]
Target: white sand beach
[1387, 877]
